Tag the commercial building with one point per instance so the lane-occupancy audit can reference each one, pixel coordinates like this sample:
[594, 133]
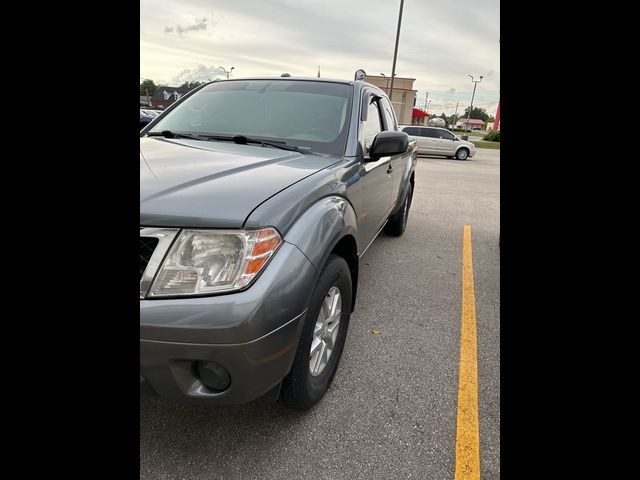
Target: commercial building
[418, 117]
[403, 97]
[473, 124]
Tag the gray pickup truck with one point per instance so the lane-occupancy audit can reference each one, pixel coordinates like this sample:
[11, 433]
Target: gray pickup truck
[258, 198]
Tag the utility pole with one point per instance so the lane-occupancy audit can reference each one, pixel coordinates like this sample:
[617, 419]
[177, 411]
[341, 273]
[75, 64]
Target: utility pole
[475, 84]
[426, 109]
[395, 51]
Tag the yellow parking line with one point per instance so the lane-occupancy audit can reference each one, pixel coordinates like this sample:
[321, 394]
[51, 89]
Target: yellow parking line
[467, 430]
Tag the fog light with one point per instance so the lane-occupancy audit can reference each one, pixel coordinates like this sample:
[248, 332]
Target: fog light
[213, 375]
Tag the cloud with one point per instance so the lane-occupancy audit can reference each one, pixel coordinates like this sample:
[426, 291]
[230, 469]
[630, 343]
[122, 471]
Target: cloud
[201, 73]
[268, 38]
[199, 25]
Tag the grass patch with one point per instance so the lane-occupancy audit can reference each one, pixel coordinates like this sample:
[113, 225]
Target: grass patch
[483, 144]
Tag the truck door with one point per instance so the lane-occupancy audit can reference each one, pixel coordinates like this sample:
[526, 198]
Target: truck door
[400, 162]
[376, 181]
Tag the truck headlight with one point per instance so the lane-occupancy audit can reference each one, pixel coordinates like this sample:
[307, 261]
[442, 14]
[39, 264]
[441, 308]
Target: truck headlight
[213, 261]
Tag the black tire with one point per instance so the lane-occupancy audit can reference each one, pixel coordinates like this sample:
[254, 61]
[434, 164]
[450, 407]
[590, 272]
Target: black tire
[462, 154]
[300, 389]
[398, 222]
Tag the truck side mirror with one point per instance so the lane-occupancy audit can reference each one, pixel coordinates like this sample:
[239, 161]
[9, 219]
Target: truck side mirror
[388, 143]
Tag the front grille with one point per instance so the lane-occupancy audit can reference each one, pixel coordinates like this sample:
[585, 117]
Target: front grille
[147, 246]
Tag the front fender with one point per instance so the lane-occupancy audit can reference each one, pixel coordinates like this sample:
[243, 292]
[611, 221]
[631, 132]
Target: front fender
[321, 227]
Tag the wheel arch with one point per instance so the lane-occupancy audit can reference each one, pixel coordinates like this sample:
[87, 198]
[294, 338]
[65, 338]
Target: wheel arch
[347, 248]
[328, 226]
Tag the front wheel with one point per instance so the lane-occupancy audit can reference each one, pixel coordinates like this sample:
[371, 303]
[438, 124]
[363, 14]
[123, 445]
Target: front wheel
[462, 154]
[398, 222]
[322, 339]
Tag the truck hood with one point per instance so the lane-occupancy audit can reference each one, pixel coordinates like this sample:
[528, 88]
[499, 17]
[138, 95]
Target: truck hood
[190, 183]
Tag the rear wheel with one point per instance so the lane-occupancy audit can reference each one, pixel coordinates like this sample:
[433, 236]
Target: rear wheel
[398, 222]
[322, 339]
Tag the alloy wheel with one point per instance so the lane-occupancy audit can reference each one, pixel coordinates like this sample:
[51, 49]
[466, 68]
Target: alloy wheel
[325, 332]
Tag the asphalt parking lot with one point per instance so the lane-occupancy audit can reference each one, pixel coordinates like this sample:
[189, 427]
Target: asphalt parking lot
[391, 411]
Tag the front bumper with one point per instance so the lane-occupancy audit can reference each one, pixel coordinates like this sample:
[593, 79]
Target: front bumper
[253, 334]
[168, 369]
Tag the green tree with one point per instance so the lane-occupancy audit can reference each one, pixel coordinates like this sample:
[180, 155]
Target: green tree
[453, 119]
[191, 85]
[148, 87]
[477, 113]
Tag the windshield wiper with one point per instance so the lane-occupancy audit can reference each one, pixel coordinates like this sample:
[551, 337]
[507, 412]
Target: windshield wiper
[239, 139]
[244, 140]
[170, 134]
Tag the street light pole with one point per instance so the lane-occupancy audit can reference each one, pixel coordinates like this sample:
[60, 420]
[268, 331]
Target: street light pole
[387, 88]
[227, 72]
[475, 84]
[395, 51]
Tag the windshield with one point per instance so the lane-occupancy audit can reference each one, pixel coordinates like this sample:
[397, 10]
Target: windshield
[309, 115]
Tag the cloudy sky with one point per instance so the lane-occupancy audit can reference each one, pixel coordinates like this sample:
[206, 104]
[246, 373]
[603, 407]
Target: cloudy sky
[441, 43]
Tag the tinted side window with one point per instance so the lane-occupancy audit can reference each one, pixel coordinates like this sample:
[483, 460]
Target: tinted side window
[428, 132]
[411, 131]
[372, 126]
[391, 121]
[446, 135]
